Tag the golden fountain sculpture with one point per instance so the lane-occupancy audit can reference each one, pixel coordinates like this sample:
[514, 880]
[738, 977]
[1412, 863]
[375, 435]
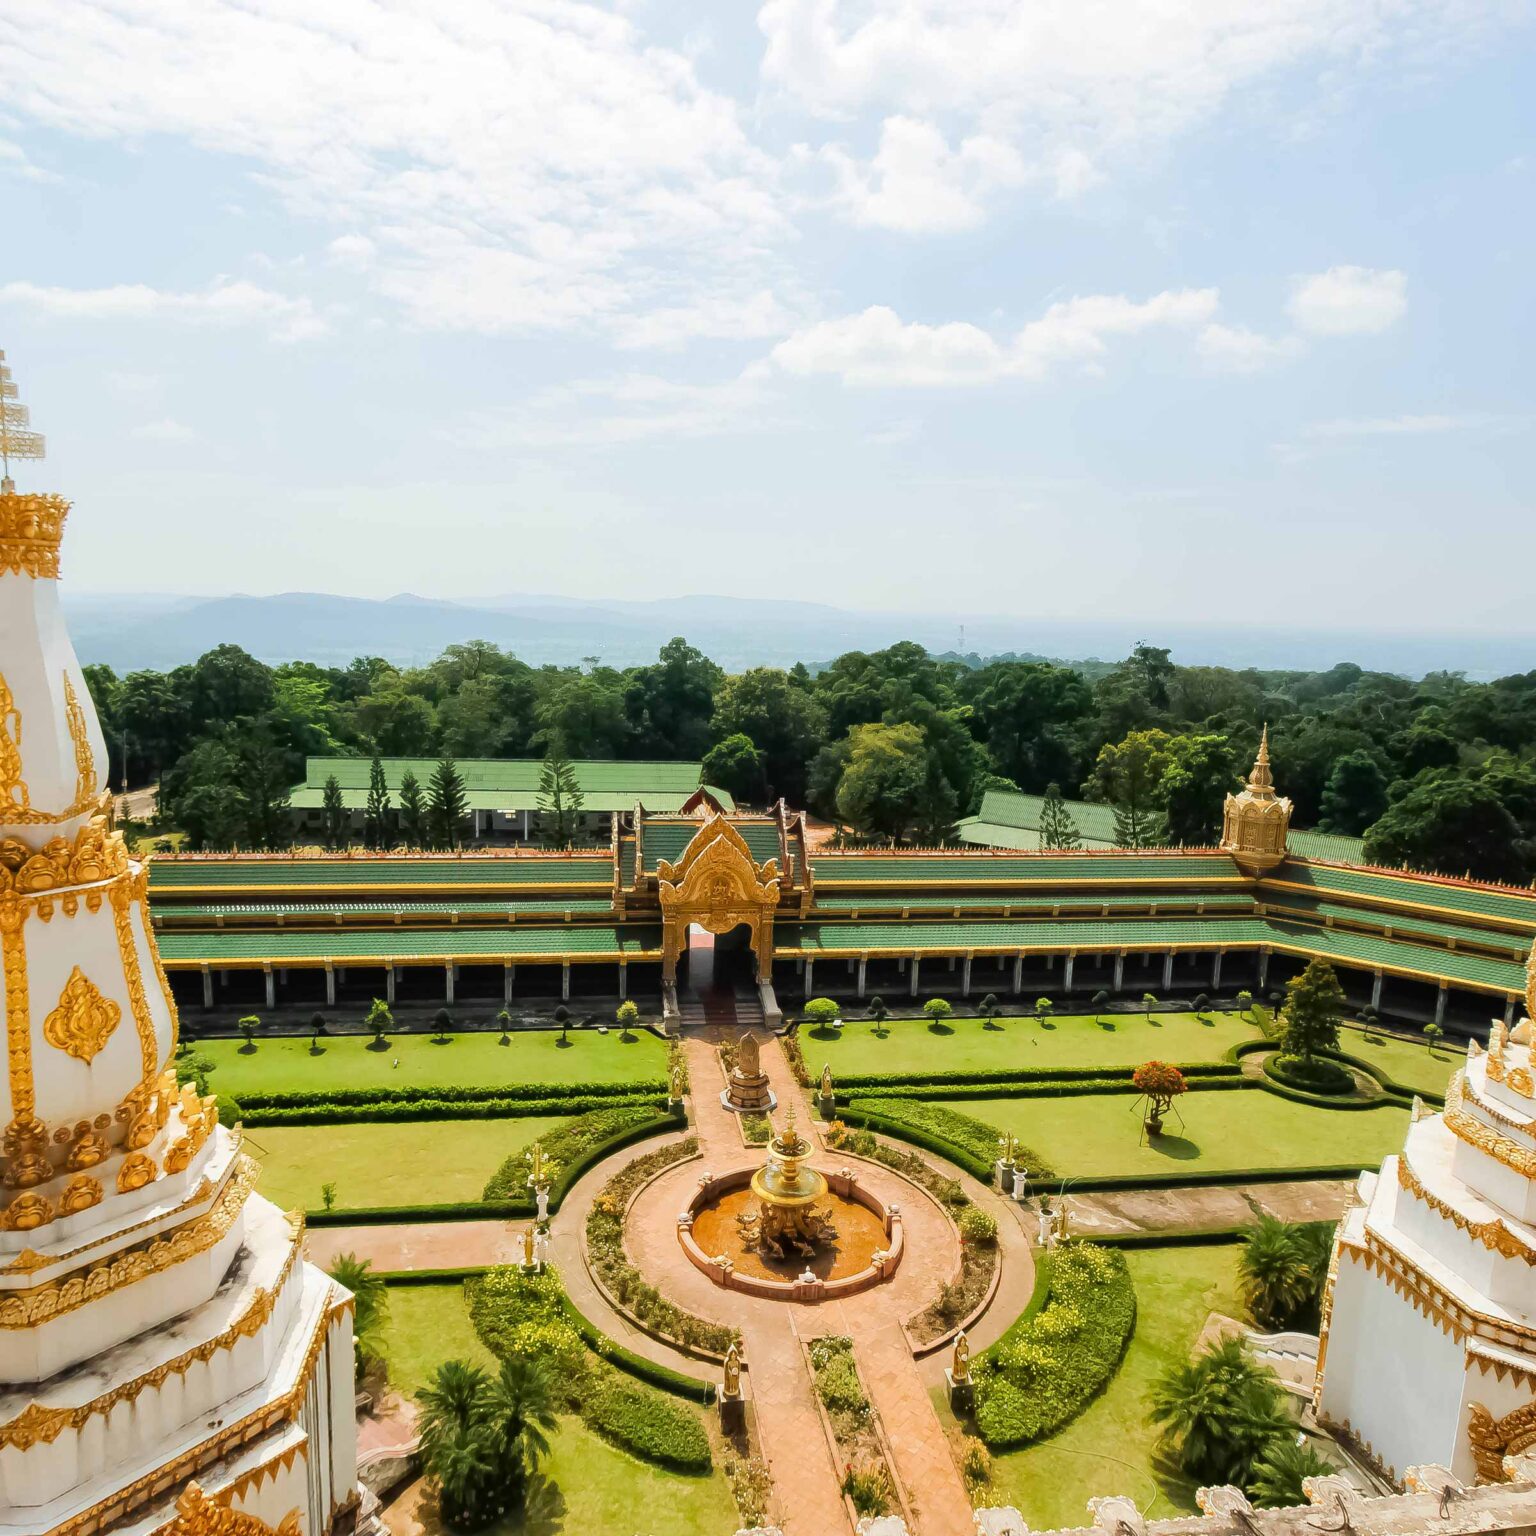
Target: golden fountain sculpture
[787, 1219]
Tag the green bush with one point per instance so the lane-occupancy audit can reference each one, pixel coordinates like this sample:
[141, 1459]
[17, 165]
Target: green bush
[231, 1111]
[574, 1146]
[1315, 1076]
[651, 1426]
[978, 1226]
[965, 1141]
[1045, 1370]
[460, 1094]
[436, 1109]
[837, 1379]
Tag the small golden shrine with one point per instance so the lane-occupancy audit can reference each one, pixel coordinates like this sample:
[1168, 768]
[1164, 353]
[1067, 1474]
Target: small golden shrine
[1255, 821]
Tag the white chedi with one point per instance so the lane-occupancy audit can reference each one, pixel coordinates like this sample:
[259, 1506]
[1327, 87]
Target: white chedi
[1429, 1346]
[168, 1361]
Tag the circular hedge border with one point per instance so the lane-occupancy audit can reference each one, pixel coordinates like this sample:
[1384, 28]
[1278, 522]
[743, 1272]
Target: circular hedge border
[1316, 1076]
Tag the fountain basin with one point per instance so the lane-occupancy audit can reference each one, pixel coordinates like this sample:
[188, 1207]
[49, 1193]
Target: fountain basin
[867, 1251]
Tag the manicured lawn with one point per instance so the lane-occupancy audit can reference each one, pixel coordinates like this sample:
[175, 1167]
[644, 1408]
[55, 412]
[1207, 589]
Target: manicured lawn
[1405, 1061]
[601, 1491]
[405, 1162]
[470, 1061]
[427, 1325]
[1098, 1134]
[1019, 1043]
[1109, 1449]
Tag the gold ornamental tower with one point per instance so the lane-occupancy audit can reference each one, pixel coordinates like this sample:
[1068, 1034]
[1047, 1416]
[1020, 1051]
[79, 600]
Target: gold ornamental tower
[1255, 821]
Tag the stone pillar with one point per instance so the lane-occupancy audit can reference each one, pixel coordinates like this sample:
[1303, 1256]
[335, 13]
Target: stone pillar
[965, 978]
[1018, 973]
[623, 981]
[863, 970]
[271, 981]
[1376, 985]
[448, 980]
[916, 967]
[389, 984]
[330, 986]
[1216, 973]
[1066, 975]
[207, 987]
[1050, 962]
[952, 960]
[525, 824]
[565, 982]
[1440, 1000]
[810, 974]
[1119, 972]
[1168, 973]
[1509, 1009]
[1263, 968]
[508, 972]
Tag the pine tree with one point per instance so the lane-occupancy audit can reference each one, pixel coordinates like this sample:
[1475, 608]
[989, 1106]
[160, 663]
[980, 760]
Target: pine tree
[1314, 1004]
[376, 815]
[334, 810]
[560, 797]
[447, 804]
[1057, 828]
[413, 811]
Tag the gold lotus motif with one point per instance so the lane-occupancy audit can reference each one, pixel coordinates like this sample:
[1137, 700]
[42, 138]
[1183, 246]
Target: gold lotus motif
[84, 1019]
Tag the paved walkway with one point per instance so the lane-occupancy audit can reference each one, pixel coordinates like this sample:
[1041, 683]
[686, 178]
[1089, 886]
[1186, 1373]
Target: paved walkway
[419, 1244]
[1200, 1208]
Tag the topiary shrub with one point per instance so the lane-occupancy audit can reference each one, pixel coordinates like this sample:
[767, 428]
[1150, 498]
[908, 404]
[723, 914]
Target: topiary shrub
[651, 1426]
[1315, 1076]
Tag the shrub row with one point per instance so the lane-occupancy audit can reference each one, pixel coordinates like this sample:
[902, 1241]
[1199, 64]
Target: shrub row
[449, 1210]
[961, 1092]
[965, 1141]
[1042, 1373]
[433, 1109]
[1022, 1075]
[517, 1314]
[575, 1147]
[450, 1094]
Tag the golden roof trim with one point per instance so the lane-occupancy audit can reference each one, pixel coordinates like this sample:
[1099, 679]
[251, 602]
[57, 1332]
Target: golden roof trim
[1493, 1235]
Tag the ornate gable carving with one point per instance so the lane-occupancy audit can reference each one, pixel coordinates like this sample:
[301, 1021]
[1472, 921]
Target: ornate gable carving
[718, 885]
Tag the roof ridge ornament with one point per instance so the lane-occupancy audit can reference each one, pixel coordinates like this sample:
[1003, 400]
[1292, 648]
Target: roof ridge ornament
[1255, 821]
[17, 441]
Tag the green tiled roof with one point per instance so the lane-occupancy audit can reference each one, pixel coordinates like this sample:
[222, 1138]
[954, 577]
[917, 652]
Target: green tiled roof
[667, 840]
[512, 784]
[1073, 901]
[993, 834]
[1326, 845]
[424, 872]
[1128, 933]
[222, 947]
[1397, 921]
[384, 910]
[962, 868]
[1004, 808]
[1423, 893]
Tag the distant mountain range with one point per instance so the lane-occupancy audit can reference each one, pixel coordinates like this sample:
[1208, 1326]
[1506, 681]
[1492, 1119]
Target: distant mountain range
[129, 632]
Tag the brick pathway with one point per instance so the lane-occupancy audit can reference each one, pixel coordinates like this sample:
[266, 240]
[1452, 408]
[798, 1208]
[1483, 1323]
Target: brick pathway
[1198, 1208]
[419, 1245]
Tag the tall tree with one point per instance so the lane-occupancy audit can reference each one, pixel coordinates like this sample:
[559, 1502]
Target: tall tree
[265, 776]
[1128, 775]
[1355, 794]
[334, 812]
[376, 813]
[1451, 823]
[447, 805]
[669, 703]
[560, 799]
[413, 811]
[736, 766]
[1201, 772]
[1314, 1005]
[1057, 828]
[886, 786]
[781, 717]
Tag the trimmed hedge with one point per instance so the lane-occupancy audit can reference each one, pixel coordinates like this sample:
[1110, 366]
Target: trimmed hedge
[434, 1109]
[450, 1210]
[577, 1146]
[960, 1093]
[1022, 1075]
[652, 1372]
[1318, 1076]
[650, 1088]
[517, 1314]
[1047, 1368]
[964, 1141]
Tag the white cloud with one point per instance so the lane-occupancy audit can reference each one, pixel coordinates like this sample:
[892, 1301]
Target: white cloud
[627, 408]
[514, 166]
[14, 161]
[352, 250]
[917, 184]
[1065, 85]
[166, 430]
[1349, 301]
[1389, 426]
[753, 317]
[224, 303]
[1236, 349]
[877, 347]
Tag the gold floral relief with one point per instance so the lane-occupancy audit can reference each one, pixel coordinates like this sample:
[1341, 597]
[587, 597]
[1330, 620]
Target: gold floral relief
[1493, 1439]
[80, 1194]
[27, 1212]
[88, 1148]
[83, 1021]
[128, 951]
[86, 785]
[18, 1017]
[138, 1170]
[198, 1515]
[96, 854]
[25, 1148]
[13, 788]
[31, 530]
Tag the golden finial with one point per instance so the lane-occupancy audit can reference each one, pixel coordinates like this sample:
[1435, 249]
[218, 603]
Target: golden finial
[16, 441]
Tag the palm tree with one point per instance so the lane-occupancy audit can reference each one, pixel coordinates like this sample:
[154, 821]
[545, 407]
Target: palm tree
[1217, 1413]
[520, 1415]
[1273, 1272]
[370, 1298]
[456, 1450]
[1278, 1473]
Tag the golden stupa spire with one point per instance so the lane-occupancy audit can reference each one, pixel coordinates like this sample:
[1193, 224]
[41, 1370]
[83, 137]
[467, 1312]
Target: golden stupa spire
[1262, 781]
[1255, 821]
[16, 440]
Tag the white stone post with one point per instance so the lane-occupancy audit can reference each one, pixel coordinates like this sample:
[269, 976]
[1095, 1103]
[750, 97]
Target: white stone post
[965, 978]
[508, 971]
[330, 986]
[916, 965]
[1066, 975]
[448, 978]
[207, 987]
[1018, 973]
[1216, 973]
[1167, 972]
[1119, 971]
[1440, 1001]
[271, 981]
[1509, 1008]
[1263, 968]
[1376, 986]
[565, 982]
[810, 974]
[389, 983]
[623, 980]
[863, 969]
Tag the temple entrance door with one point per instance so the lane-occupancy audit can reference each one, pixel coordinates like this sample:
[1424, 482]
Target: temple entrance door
[701, 959]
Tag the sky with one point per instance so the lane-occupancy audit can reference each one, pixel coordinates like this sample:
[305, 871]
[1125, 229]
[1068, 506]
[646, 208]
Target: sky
[1211, 311]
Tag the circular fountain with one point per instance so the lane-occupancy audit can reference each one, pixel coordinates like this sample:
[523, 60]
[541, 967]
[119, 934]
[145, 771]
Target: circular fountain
[787, 1230]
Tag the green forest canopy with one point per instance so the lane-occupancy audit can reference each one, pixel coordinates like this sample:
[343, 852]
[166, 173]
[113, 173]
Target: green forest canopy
[1435, 773]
